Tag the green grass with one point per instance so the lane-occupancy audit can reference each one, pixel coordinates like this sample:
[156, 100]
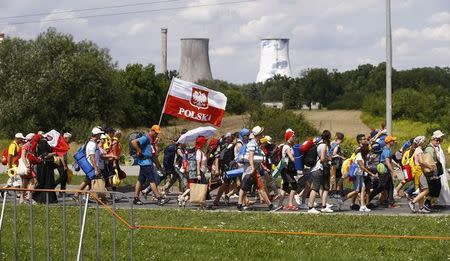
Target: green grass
[194, 245]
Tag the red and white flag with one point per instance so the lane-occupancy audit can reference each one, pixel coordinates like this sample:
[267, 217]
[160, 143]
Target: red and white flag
[193, 102]
[57, 142]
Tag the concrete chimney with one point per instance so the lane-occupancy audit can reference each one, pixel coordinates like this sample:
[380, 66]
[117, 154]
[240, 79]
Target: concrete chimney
[274, 59]
[164, 50]
[194, 63]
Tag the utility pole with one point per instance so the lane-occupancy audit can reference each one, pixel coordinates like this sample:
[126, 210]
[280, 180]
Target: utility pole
[388, 69]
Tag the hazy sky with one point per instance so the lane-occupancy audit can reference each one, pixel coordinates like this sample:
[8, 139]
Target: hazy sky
[337, 34]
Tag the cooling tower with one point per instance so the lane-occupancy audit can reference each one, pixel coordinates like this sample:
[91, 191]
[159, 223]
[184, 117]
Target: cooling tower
[194, 64]
[274, 59]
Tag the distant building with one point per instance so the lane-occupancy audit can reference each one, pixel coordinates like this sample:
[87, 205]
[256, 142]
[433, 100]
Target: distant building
[277, 105]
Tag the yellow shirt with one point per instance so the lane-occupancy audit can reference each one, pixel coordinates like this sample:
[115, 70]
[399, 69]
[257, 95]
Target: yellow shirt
[107, 143]
[13, 149]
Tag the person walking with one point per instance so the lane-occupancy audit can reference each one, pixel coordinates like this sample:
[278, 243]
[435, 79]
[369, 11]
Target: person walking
[145, 160]
[63, 166]
[45, 172]
[320, 175]
[385, 179]
[419, 164]
[289, 182]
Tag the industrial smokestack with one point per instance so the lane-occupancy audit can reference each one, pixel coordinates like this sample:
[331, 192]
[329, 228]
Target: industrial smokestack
[274, 59]
[2, 36]
[194, 64]
[164, 50]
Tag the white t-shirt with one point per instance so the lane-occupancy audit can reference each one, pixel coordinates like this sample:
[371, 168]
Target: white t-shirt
[359, 171]
[92, 149]
[284, 151]
[200, 156]
[320, 148]
[252, 145]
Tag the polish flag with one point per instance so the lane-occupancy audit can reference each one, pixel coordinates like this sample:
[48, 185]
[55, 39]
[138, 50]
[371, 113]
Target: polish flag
[193, 102]
[57, 142]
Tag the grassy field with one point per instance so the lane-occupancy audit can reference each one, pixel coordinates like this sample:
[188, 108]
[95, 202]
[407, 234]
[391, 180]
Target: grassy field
[195, 245]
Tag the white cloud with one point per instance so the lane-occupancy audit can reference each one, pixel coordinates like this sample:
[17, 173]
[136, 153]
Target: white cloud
[223, 51]
[440, 18]
[266, 26]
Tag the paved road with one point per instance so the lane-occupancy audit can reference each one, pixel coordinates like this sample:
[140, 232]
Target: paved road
[150, 203]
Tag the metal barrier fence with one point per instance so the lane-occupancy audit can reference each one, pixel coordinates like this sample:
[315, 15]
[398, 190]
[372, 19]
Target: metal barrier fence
[91, 201]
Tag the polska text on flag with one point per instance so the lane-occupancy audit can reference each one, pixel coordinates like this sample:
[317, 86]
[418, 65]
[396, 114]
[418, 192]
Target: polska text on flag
[193, 102]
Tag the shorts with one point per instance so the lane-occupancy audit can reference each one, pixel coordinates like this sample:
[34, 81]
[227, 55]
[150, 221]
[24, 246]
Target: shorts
[109, 170]
[358, 183]
[423, 183]
[247, 182]
[147, 173]
[434, 185]
[302, 181]
[288, 181]
[337, 163]
[367, 182]
[320, 178]
[14, 181]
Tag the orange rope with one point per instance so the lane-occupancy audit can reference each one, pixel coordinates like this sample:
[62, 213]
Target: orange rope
[242, 231]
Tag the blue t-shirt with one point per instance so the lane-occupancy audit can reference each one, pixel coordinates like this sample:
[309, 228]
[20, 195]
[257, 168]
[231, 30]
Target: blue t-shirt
[385, 154]
[145, 144]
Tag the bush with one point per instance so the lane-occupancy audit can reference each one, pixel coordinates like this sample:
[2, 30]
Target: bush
[276, 121]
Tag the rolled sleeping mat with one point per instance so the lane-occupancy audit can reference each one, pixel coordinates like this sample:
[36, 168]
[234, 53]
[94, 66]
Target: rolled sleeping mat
[234, 173]
[307, 145]
[298, 157]
[84, 164]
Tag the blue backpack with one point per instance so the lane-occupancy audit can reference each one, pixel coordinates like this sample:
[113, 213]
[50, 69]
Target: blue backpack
[83, 163]
[169, 156]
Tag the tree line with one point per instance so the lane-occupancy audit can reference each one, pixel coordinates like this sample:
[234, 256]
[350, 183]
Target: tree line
[55, 82]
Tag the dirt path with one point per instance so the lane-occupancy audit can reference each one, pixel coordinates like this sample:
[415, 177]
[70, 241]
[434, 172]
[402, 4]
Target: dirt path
[347, 122]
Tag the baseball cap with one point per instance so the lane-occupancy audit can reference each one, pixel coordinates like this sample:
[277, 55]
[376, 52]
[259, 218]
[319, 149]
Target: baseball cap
[437, 134]
[156, 128]
[19, 135]
[96, 131]
[67, 135]
[389, 139]
[103, 136]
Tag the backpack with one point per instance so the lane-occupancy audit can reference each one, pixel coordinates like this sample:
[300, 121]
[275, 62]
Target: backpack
[226, 156]
[132, 136]
[275, 154]
[311, 156]
[83, 163]
[331, 149]
[241, 154]
[169, 156]
[191, 166]
[373, 159]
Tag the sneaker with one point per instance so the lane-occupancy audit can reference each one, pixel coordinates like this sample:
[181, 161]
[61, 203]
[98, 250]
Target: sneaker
[329, 205]
[339, 203]
[303, 206]
[393, 205]
[424, 211]
[180, 201]
[245, 208]
[291, 208]
[270, 207]
[412, 206]
[234, 196]
[326, 210]
[162, 201]
[239, 207]
[298, 200]
[137, 201]
[313, 211]
[364, 209]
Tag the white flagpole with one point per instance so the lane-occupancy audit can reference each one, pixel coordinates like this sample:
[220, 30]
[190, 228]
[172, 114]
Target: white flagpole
[165, 101]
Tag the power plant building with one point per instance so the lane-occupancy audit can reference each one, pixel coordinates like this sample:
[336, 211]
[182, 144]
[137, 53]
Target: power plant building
[194, 63]
[274, 59]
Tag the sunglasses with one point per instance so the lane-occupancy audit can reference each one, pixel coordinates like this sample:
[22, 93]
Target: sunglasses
[438, 140]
